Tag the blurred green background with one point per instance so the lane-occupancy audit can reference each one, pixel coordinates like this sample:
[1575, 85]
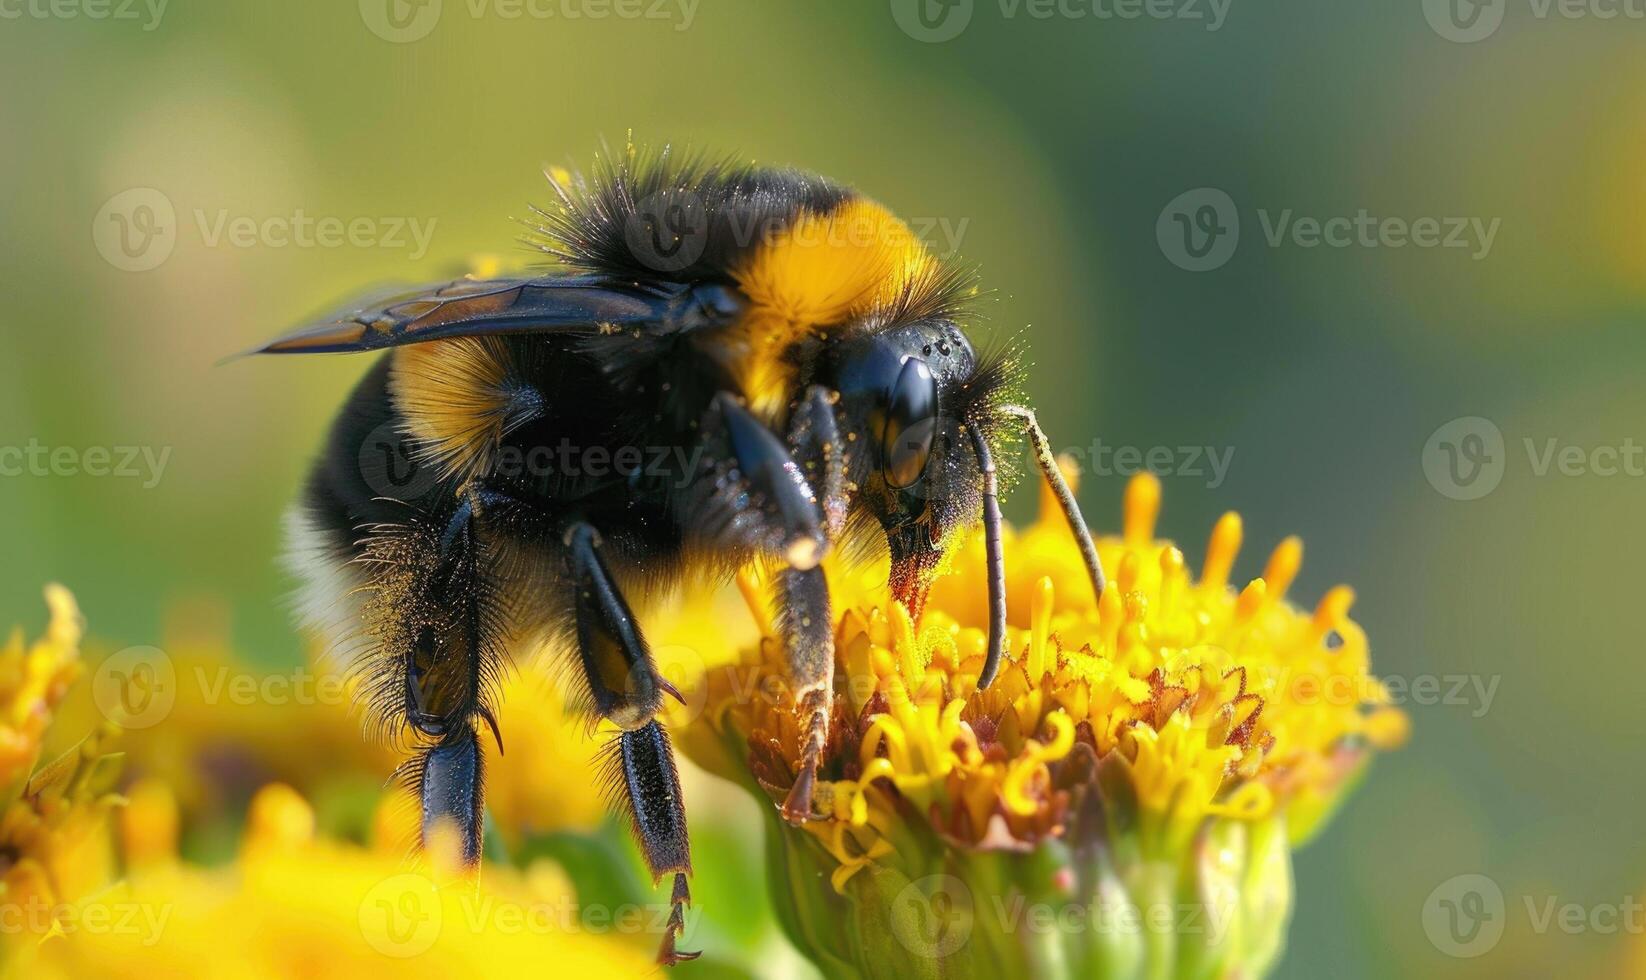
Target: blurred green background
[1049, 149]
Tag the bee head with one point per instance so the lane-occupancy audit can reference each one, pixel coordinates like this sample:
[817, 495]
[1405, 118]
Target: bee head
[910, 400]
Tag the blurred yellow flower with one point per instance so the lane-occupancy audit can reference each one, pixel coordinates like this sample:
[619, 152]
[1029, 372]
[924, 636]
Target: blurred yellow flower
[296, 905]
[54, 843]
[33, 680]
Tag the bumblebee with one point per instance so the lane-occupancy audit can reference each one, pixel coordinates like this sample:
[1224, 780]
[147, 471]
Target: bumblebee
[786, 362]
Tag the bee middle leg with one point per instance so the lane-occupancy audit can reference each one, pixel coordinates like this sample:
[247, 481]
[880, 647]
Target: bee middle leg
[626, 688]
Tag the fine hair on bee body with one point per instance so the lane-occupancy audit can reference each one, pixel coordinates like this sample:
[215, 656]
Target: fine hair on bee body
[788, 359]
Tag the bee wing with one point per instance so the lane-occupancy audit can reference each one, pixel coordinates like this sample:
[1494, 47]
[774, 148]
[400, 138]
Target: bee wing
[474, 307]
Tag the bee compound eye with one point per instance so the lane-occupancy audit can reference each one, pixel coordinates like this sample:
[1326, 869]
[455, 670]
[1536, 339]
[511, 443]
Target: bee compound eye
[911, 425]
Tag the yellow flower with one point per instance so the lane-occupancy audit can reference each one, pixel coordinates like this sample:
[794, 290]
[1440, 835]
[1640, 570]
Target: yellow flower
[1175, 713]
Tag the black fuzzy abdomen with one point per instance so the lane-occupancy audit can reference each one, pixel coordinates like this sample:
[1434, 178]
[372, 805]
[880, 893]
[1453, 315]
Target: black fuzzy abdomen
[366, 473]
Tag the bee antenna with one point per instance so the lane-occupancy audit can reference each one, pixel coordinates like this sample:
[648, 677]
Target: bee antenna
[996, 557]
[1065, 497]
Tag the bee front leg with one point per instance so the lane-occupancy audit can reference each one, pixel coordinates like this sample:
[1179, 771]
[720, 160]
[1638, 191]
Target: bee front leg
[756, 497]
[626, 688]
[807, 628]
[814, 439]
[805, 618]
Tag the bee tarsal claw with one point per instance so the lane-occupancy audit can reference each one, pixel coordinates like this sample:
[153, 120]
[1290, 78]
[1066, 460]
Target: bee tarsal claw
[669, 956]
[797, 806]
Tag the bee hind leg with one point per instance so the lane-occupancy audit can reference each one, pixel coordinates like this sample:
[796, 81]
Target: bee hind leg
[647, 785]
[449, 779]
[442, 629]
[626, 688]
